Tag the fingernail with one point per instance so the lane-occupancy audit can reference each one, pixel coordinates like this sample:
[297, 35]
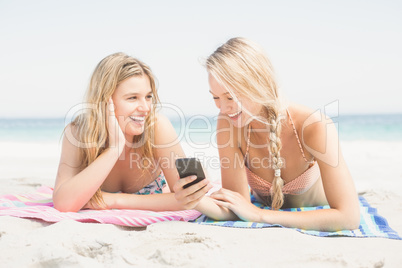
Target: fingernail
[193, 177]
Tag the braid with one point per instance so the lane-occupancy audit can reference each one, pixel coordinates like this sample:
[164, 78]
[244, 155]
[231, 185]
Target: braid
[275, 146]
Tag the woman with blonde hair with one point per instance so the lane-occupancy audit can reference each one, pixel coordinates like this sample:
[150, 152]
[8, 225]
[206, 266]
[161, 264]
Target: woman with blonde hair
[287, 156]
[120, 145]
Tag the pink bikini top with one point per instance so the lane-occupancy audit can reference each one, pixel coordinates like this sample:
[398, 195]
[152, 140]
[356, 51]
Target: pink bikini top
[297, 186]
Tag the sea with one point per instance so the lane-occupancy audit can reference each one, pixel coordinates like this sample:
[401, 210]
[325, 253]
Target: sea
[31, 147]
[202, 129]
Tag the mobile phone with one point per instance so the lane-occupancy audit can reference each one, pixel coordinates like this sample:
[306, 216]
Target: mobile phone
[190, 166]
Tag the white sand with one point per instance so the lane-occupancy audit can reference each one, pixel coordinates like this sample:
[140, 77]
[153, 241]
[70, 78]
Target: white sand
[375, 166]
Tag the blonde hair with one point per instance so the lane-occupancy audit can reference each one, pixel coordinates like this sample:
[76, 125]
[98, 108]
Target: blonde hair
[91, 126]
[242, 66]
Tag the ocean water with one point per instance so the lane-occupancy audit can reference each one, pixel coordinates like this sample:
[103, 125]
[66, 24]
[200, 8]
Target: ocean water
[370, 127]
[202, 129]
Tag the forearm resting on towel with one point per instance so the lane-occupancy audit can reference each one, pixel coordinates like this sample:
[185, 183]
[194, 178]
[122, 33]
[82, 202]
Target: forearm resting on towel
[154, 202]
[323, 219]
[208, 207]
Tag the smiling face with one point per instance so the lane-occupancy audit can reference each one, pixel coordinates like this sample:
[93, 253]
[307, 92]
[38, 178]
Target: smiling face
[239, 111]
[133, 101]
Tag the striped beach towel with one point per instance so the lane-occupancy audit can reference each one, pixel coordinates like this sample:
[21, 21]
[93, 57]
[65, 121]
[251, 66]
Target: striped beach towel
[371, 224]
[39, 205]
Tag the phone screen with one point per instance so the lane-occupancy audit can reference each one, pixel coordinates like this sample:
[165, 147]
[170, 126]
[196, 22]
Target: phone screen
[188, 167]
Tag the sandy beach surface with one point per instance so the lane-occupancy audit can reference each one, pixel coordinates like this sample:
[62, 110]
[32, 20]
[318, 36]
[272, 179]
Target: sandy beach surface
[376, 168]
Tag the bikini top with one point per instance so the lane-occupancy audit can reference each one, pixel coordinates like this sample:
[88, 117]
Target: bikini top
[297, 186]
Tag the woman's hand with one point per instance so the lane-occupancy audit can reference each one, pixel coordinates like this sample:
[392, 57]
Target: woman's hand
[189, 197]
[116, 136]
[234, 201]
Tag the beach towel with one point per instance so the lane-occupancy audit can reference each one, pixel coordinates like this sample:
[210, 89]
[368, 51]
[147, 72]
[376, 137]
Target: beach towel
[39, 205]
[371, 224]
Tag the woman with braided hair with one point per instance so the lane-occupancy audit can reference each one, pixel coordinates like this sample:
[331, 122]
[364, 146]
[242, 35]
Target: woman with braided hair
[288, 156]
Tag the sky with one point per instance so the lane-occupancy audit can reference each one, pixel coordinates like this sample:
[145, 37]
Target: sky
[342, 53]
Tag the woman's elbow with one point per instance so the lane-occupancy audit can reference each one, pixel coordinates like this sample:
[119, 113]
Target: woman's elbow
[63, 206]
[354, 222]
[351, 221]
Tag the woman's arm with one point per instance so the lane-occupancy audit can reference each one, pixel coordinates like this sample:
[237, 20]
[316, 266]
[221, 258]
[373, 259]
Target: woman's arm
[233, 176]
[154, 202]
[321, 140]
[75, 186]
[233, 171]
[167, 150]
[340, 193]
[193, 197]
[209, 207]
[167, 202]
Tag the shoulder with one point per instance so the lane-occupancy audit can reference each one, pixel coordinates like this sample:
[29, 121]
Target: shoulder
[225, 125]
[300, 113]
[226, 133]
[77, 127]
[71, 133]
[223, 121]
[72, 146]
[162, 121]
[308, 121]
[164, 130]
[163, 125]
[72, 127]
[316, 130]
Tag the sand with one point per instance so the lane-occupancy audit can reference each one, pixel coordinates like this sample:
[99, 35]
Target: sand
[375, 166]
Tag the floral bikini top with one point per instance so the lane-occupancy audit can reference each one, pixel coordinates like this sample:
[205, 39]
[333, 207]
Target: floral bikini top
[297, 186]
